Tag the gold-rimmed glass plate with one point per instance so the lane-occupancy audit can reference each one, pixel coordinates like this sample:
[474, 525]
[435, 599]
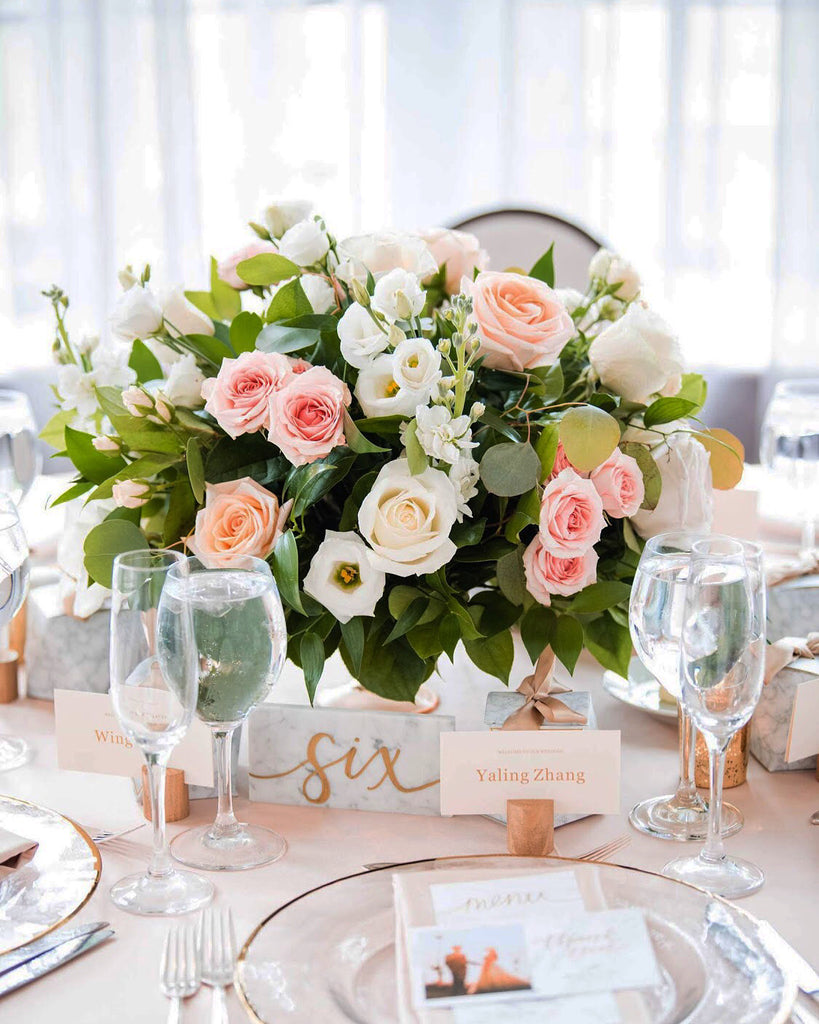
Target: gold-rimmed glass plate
[50, 886]
[328, 955]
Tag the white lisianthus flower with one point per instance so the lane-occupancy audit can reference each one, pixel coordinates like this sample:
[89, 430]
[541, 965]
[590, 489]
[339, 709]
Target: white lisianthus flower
[417, 368]
[131, 493]
[182, 317]
[398, 295]
[637, 356]
[166, 355]
[137, 314]
[612, 269]
[464, 476]
[570, 297]
[361, 338]
[279, 215]
[305, 243]
[687, 497]
[342, 578]
[378, 392]
[319, 292]
[184, 384]
[382, 252]
[442, 435]
[407, 519]
[599, 264]
[127, 278]
[110, 367]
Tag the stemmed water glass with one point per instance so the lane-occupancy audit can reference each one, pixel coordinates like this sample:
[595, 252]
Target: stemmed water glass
[722, 657]
[241, 639]
[153, 687]
[14, 751]
[655, 622]
[19, 458]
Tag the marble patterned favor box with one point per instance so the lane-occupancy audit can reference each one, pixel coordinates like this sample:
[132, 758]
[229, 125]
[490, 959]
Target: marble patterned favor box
[341, 757]
[771, 724]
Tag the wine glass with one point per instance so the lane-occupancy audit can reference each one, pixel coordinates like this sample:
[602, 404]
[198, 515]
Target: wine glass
[722, 655]
[790, 452]
[153, 688]
[241, 638]
[19, 457]
[14, 751]
[655, 622]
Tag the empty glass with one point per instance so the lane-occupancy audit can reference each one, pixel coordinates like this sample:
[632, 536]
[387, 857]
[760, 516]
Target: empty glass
[655, 622]
[14, 751]
[19, 458]
[722, 655]
[241, 638]
[153, 687]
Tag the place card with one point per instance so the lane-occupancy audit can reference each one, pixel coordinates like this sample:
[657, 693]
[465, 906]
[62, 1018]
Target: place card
[90, 739]
[803, 737]
[578, 770]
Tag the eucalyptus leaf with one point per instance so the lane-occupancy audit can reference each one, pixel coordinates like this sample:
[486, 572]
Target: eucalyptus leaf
[589, 436]
[727, 456]
[281, 338]
[267, 268]
[510, 469]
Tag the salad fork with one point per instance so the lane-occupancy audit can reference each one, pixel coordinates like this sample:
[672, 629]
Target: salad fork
[217, 950]
[179, 975]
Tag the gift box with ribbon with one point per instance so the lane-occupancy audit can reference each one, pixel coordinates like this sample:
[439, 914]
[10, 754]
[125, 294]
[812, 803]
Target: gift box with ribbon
[779, 741]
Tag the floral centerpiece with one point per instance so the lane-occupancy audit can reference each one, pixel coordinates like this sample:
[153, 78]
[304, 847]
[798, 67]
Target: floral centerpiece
[428, 452]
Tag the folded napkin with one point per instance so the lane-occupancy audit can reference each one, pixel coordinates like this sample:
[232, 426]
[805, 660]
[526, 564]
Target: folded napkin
[787, 650]
[11, 848]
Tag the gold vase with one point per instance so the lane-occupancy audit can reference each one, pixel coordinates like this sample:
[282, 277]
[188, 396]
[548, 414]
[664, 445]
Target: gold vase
[736, 760]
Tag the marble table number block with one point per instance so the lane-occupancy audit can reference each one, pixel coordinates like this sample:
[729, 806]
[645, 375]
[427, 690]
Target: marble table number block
[340, 757]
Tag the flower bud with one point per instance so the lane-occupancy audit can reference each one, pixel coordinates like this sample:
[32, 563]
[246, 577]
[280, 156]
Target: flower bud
[137, 401]
[104, 443]
[477, 410]
[396, 335]
[131, 493]
[87, 344]
[127, 278]
[474, 344]
[403, 305]
[444, 346]
[163, 410]
[360, 293]
[469, 378]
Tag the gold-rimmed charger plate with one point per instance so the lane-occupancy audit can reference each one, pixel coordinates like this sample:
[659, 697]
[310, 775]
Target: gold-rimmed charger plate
[328, 954]
[50, 886]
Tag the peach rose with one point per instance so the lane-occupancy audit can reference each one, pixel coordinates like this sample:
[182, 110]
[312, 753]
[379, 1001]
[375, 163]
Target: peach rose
[571, 515]
[619, 482]
[521, 321]
[240, 517]
[238, 397]
[307, 415]
[226, 270]
[460, 251]
[546, 574]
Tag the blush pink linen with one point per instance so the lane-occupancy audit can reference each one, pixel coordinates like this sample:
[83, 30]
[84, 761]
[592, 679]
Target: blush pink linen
[571, 515]
[546, 574]
[619, 483]
[227, 268]
[521, 321]
[240, 517]
[307, 415]
[238, 397]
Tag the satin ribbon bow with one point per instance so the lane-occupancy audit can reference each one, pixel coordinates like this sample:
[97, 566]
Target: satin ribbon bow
[788, 649]
[541, 704]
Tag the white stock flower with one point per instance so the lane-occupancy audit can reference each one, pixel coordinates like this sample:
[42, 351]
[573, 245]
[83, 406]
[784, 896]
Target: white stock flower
[137, 314]
[464, 476]
[305, 243]
[441, 435]
[184, 383]
[687, 497]
[182, 317]
[109, 370]
[407, 519]
[342, 578]
[417, 368]
[360, 337]
[87, 344]
[379, 394]
[279, 215]
[382, 252]
[131, 493]
[637, 356]
[398, 295]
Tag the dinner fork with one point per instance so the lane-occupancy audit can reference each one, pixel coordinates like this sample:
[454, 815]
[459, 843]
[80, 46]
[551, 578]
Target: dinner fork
[217, 951]
[179, 974]
[606, 850]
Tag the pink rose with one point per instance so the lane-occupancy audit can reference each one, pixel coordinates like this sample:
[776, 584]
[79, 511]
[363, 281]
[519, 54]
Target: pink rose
[307, 415]
[298, 365]
[460, 251]
[546, 574]
[226, 270]
[571, 515]
[521, 321]
[238, 397]
[619, 483]
[239, 518]
[562, 462]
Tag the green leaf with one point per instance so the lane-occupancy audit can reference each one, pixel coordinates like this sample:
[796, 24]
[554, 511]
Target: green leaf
[652, 478]
[288, 302]
[281, 338]
[664, 410]
[633, 542]
[610, 643]
[536, 629]
[267, 268]
[286, 570]
[416, 456]
[510, 469]
[469, 532]
[544, 269]
[352, 633]
[94, 466]
[567, 641]
[194, 422]
[141, 436]
[408, 618]
[210, 348]
[227, 300]
[311, 651]
[143, 468]
[694, 389]
[308, 483]
[494, 420]
[53, 433]
[179, 518]
[496, 614]
[546, 448]
[526, 514]
[144, 363]
[401, 598]
[356, 441]
[196, 469]
[382, 424]
[589, 436]
[550, 383]
[449, 634]
[599, 596]
[204, 303]
[75, 491]
[110, 400]
[391, 670]
[493, 655]
[469, 631]
[104, 542]
[244, 330]
[511, 577]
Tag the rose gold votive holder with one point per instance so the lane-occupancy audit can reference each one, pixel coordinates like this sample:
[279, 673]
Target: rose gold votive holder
[736, 760]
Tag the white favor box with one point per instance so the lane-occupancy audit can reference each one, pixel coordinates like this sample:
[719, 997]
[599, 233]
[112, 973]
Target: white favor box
[771, 724]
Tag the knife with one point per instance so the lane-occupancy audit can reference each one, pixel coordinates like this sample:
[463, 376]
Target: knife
[52, 958]
[805, 976]
[32, 949]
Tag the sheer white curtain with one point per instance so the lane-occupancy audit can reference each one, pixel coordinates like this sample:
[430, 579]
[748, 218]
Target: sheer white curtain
[685, 132]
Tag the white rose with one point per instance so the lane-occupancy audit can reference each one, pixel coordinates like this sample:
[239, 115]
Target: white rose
[599, 265]
[382, 252]
[131, 493]
[406, 520]
[637, 355]
[417, 368]
[305, 243]
[459, 251]
[442, 435]
[182, 317]
[279, 215]
[137, 314]
[398, 295]
[570, 297]
[464, 476]
[342, 578]
[687, 498]
[360, 337]
[379, 394]
[184, 384]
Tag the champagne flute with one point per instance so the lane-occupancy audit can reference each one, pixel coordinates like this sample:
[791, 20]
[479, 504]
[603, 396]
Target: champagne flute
[241, 638]
[655, 623]
[14, 751]
[153, 688]
[722, 655]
